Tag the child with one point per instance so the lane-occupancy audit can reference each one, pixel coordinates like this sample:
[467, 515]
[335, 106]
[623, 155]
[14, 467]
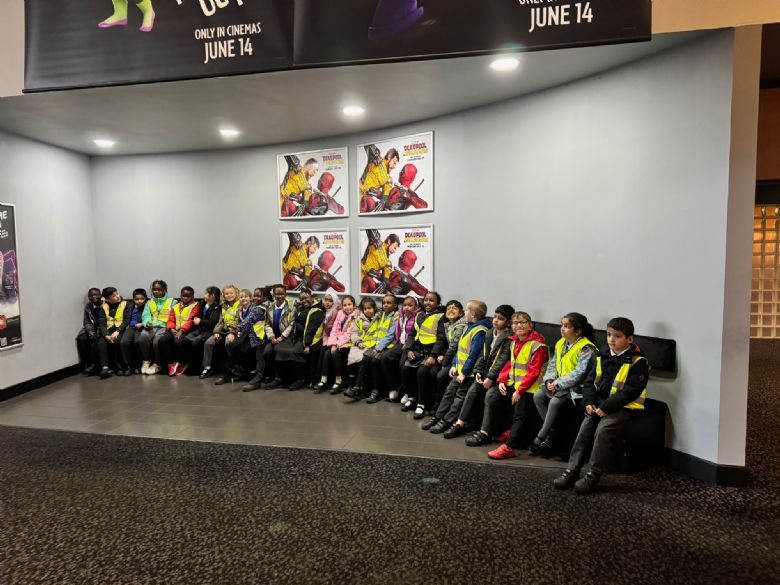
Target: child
[237, 345]
[203, 324]
[495, 354]
[337, 347]
[422, 348]
[155, 320]
[462, 370]
[618, 393]
[253, 328]
[363, 336]
[132, 333]
[85, 339]
[112, 322]
[296, 352]
[227, 325]
[370, 367]
[518, 380]
[278, 327]
[570, 368]
[429, 396]
[392, 358]
[331, 305]
[180, 323]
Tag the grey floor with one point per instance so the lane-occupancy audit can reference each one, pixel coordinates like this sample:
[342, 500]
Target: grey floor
[187, 408]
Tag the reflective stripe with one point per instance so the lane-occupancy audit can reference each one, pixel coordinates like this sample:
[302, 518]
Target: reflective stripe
[161, 313]
[426, 333]
[259, 329]
[567, 363]
[230, 314]
[620, 381]
[182, 313]
[116, 321]
[519, 365]
[318, 333]
[368, 336]
[464, 346]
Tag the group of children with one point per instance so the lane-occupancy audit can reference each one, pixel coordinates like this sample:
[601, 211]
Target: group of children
[469, 374]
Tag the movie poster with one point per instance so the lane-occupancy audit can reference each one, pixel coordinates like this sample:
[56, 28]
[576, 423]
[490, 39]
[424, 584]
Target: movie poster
[397, 260]
[318, 260]
[396, 175]
[10, 315]
[313, 184]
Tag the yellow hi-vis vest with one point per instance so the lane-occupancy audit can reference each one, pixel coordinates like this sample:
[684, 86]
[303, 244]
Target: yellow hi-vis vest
[383, 327]
[368, 334]
[320, 329]
[519, 364]
[566, 363]
[620, 381]
[162, 312]
[182, 313]
[426, 332]
[230, 314]
[464, 346]
[116, 321]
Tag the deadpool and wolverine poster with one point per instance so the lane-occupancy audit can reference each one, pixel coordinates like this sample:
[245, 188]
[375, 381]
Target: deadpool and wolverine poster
[398, 260]
[318, 260]
[313, 184]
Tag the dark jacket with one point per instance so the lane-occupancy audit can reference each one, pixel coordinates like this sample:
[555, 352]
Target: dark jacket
[208, 317]
[434, 349]
[103, 329]
[598, 393]
[316, 319]
[492, 361]
[91, 316]
[247, 325]
[451, 347]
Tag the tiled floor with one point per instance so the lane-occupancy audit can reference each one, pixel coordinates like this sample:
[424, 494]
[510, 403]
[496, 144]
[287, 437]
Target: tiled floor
[187, 408]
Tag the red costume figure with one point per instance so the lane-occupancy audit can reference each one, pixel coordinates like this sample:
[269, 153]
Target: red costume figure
[321, 199]
[401, 280]
[321, 279]
[404, 197]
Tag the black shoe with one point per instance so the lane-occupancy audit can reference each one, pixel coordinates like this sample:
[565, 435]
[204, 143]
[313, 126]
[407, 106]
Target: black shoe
[455, 431]
[253, 384]
[275, 383]
[478, 439]
[222, 380]
[207, 372]
[319, 387]
[137, 371]
[374, 397]
[440, 427]
[430, 423]
[586, 483]
[566, 480]
[353, 393]
[105, 373]
[127, 372]
[336, 389]
[89, 371]
[297, 385]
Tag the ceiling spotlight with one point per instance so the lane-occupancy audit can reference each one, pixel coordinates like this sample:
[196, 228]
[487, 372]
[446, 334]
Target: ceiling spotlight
[353, 111]
[229, 132]
[104, 143]
[505, 64]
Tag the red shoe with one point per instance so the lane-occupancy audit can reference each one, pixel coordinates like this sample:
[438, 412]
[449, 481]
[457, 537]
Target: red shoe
[180, 369]
[503, 452]
[172, 369]
[502, 438]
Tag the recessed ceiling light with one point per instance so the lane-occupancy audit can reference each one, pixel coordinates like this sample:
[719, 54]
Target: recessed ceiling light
[229, 132]
[505, 64]
[104, 143]
[353, 111]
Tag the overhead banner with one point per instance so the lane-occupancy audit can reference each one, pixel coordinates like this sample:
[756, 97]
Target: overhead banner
[396, 175]
[398, 260]
[313, 184]
[318, 260]
[80, 43]
[343, 31]
[10, 315]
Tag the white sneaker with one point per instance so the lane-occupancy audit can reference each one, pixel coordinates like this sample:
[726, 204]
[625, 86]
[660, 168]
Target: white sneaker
[405, 400]
[153, 369]
[419, 411]
[393, 395]
[145, 367]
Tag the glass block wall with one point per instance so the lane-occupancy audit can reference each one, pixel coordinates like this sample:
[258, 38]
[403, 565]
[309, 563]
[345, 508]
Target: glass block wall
[765, 296]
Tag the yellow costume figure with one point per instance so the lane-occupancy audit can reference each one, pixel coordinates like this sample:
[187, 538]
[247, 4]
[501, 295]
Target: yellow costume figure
[296, 260]
[295, 182]
[375, 260]
[376, 177]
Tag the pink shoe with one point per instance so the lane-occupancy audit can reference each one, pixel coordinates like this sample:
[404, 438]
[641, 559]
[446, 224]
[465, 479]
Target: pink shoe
[181, 369]
[106, 24]
[172, 369]
[151, 24]
[503, 452]
[502, 437]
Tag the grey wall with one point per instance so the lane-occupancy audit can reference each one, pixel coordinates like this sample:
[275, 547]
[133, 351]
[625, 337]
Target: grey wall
[51, 190]
[607, 196]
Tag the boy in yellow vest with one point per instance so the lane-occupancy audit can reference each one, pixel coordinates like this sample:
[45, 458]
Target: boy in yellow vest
[617, 395]
[113, 319]
[180, 322]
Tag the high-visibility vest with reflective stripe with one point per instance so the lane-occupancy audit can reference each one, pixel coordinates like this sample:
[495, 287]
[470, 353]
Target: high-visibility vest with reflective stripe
[464, 346]
[567, 363]
[426, 331]
[182, 313]
[383, 328]
[620, 381]
[230, 314]
[368, 334]
[116, 320]
[161, 313]
[320, 329]
[519, 365]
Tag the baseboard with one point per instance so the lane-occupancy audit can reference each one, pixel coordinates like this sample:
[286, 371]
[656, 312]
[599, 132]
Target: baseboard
[707, 471]
[39, 382]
